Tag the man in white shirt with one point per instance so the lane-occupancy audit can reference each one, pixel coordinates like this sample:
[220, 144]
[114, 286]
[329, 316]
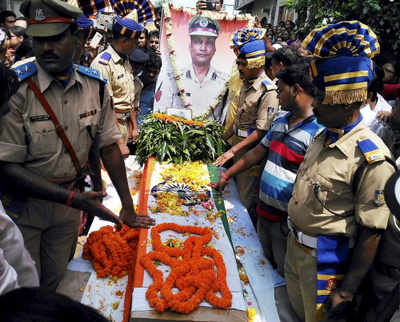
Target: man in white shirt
[17, 268]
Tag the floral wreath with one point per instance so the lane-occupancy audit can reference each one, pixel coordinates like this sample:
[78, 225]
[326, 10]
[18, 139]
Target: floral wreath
[170, 40]
[186, 193]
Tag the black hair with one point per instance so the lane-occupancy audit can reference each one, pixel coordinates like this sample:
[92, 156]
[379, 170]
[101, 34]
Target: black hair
[285, 55]
[24, 50]
[9, 85]
[376, 85]
[301, 34]
[268, 58]
[154, 33]
[242, 56]
[6, 13]
[298, 74]
[264, 22]
[146, 33]
[38, 304]
[154, 61]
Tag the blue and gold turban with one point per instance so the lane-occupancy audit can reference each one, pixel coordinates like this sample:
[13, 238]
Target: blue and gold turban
[342, 65]
[91, 7]
[126, 27]
[251, 44]
[144, 8]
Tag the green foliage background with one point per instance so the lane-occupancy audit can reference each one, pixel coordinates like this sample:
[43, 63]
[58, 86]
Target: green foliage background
[383, 16]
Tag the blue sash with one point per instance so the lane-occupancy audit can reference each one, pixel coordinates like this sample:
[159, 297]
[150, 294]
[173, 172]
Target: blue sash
[332, 260]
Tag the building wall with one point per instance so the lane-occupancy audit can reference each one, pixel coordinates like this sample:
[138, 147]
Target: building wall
[12, 5]
[263, 9]
[271, 9]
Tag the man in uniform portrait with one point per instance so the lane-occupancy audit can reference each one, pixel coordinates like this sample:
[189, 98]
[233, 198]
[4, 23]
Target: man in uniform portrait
[202, 82]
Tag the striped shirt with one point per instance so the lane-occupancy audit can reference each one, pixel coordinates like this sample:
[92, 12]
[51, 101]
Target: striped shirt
[287, 148]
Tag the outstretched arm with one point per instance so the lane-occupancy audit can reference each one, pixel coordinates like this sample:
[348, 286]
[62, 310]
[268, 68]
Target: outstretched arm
[38, 187]
[115, 167]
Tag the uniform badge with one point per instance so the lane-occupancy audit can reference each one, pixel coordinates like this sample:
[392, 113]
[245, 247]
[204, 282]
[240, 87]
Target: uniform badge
[379, 199]
[331, 284]
[270, 110]
[39, 14]
[40, 118]
[203, 22]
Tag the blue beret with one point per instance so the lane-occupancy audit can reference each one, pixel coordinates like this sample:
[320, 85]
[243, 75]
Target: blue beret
[126, 27]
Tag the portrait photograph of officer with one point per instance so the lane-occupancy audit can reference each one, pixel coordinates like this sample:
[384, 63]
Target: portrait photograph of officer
[202, 61]
[200, 78]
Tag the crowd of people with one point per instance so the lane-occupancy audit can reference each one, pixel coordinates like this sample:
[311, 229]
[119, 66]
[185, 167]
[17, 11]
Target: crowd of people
[313, 122]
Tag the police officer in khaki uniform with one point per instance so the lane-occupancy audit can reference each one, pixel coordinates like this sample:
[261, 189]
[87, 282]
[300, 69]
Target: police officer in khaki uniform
[115, 67]
[54, 118]
[257, 106]
[201, 81]
[336, 224]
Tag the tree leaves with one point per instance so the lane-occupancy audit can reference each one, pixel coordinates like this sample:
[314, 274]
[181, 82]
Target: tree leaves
[177, 142]
[381, 15]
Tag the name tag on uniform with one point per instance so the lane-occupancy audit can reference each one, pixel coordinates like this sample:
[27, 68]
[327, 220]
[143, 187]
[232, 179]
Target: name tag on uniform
[88, 113]
[120, 76]
[39, 118]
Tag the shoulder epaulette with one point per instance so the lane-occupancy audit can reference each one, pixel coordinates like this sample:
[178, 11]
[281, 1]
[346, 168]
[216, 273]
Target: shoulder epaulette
[25, 71]
[90, 72]
[269, 85]
[105, 58]
[371, 151]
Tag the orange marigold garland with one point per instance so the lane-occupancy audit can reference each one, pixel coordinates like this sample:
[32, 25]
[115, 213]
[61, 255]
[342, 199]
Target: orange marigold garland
[111, 252]
[197, 271]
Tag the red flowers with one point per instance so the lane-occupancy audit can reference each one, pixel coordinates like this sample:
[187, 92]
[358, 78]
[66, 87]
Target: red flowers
[198, 272]
[111, 252]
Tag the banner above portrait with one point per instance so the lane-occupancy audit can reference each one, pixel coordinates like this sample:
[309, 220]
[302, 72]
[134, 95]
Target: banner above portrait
[197, 60]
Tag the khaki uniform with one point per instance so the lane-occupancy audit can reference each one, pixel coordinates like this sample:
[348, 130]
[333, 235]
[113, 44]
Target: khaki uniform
[120, 84]
[28, 137]
[234, 86]
[332, 169]
[258, 104]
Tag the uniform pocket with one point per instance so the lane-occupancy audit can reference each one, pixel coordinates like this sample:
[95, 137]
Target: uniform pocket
[312, 193]
[44, 139]
[88, 124]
